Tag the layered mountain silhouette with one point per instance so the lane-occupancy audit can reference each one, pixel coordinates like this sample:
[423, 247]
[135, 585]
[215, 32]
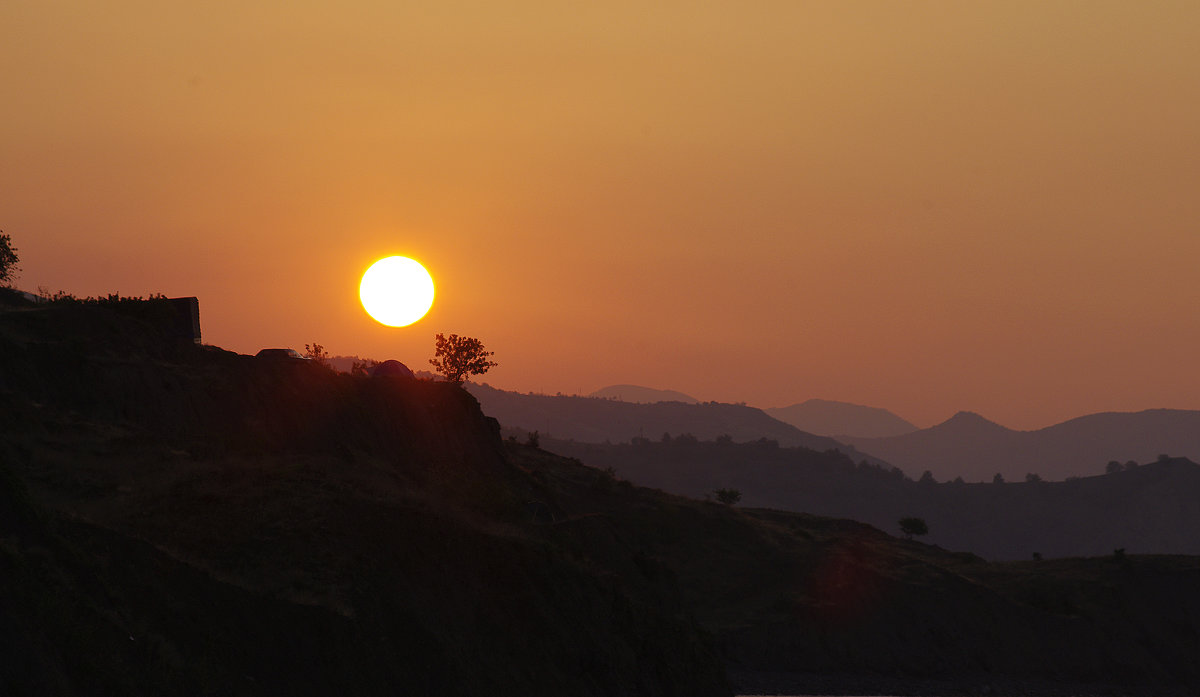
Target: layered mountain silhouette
[829, 418]
[976, 449]
[1151, 509]
[642, 395]
[596, 420]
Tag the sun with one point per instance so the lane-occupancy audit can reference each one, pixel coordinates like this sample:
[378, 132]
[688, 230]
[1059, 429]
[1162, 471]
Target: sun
[396, 291]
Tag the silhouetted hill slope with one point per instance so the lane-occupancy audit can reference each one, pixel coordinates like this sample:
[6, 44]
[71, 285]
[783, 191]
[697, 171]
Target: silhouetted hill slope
[191, 521]
[809, 605]
[641, 395]
[1153, 509]
[597, 420]
[181, 520]
[828, 418]
[974, 448]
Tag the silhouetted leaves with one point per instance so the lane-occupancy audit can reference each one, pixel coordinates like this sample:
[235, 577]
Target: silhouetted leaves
[456, 357]
[8, 260]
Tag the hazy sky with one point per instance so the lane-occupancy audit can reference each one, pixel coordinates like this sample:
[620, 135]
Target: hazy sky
[925, 206]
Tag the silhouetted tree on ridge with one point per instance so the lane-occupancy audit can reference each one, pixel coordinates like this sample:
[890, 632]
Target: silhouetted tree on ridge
[456, 357]
[8, 260]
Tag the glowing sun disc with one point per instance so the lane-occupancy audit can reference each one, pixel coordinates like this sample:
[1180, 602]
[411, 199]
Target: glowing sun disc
[396, 291]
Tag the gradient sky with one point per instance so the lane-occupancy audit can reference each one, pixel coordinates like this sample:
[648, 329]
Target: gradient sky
[925, 206]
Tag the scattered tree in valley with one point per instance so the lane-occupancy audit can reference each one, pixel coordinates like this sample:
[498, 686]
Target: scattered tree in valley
[8, 261]
[728, 496]
[456, 357]
[913, 526]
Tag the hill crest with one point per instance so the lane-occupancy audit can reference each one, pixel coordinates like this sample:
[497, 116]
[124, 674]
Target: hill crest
[835, 419]
[971, 446]
[637, 394]
[594, 420]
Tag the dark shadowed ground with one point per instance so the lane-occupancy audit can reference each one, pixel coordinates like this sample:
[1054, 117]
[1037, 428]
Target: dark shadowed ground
[181, 520]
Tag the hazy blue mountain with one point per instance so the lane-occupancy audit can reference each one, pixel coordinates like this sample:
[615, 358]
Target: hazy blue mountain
[595, 420]
[642, 395]
[830, 418]
[976, 449]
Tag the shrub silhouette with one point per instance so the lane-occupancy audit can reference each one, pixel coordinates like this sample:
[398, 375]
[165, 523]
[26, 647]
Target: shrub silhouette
[728, 496]
[913, 526]
[456, 357]
[317, 354]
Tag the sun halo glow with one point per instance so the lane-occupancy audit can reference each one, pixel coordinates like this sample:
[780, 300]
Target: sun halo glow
[396, 291]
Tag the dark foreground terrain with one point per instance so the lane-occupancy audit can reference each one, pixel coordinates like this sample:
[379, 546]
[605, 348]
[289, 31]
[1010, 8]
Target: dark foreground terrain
[178, 519]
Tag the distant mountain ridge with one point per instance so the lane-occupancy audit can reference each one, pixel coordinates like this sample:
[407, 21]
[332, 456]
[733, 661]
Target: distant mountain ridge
[831, 418]
[594, 420]
[971, 446]
[642, 395]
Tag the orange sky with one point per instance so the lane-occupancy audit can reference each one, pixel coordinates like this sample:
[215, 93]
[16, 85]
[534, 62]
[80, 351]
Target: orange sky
[922, 206]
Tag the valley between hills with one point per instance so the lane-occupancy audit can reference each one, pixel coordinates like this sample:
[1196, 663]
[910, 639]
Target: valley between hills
[180, 519]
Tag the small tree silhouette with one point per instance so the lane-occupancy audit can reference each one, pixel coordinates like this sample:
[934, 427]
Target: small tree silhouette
[913, 526]
[317, 354]
[728, 496]
[456, 357]
[8, 260]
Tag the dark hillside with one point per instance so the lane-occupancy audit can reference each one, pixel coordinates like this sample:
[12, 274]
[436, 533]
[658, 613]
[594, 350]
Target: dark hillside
[810, 605]
[184, 520]
[1152, 509]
